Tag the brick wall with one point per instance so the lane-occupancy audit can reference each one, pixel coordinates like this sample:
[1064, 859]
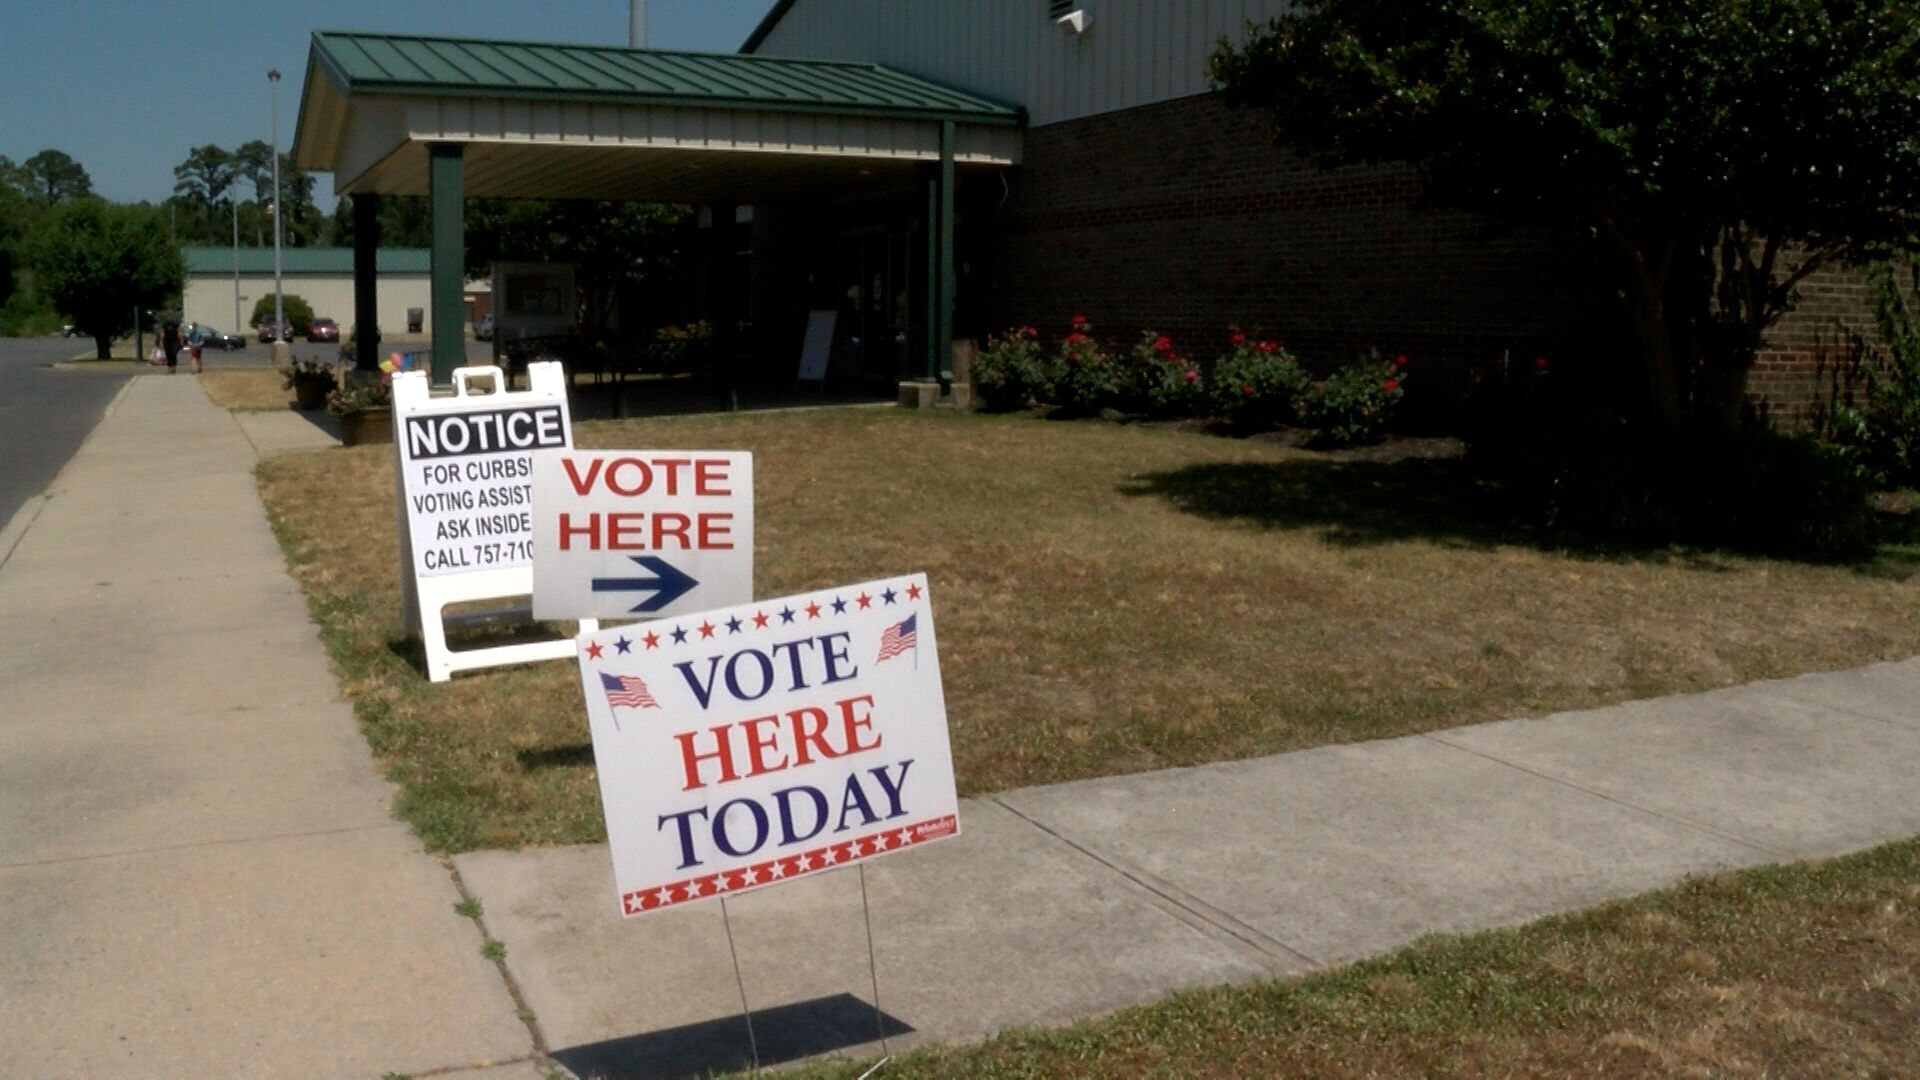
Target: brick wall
[1807, 361]
[1181, 217]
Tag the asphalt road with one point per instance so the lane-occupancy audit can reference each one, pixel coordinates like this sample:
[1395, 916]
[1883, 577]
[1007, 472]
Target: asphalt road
[44, 413]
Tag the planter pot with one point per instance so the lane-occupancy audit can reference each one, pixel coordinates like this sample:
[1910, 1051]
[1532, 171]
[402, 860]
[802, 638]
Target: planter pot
[310, 394]
[366, 426]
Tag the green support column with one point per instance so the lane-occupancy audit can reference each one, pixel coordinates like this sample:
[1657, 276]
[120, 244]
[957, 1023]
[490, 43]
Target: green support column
[939, 310]
[943, 322]
[366, 282]
[930, 313]
[447, 208]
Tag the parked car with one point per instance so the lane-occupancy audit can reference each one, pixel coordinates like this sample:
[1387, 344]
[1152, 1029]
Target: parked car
[268, 334]
[483, 329]
[323, 329]
[212, 338]
[70, 330]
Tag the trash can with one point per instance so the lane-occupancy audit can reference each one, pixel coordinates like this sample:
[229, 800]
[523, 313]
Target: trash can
[416, 319]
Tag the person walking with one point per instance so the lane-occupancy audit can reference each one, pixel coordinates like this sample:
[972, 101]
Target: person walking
[170, 342]
[196, 340]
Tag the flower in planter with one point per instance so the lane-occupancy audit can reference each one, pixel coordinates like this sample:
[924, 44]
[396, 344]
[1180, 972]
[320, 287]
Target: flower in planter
[308, 373]
[354, 398]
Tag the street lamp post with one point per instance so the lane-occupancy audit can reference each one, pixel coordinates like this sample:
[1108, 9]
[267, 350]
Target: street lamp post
[233, 204]
[279, 315]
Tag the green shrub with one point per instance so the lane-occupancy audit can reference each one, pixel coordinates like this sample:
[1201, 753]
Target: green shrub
[1082, 378]
[1883, 433]
[1157, 381]
[25, 315]
[1591, 476]
[292, 305]
[1254, 385]
[1010, 373]
[1354, 404]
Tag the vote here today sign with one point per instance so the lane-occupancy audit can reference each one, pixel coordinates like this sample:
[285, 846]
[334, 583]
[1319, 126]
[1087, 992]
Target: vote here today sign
[620, 534]
[756, 744]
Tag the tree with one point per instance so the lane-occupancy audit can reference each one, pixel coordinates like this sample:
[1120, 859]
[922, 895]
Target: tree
[253, 163]
[605, 241]
[52, 177]
[1723, 150]
[202, 180]
[97, 262]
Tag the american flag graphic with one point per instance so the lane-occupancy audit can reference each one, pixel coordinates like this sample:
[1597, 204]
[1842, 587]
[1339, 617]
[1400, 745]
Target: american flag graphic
[627, 691]
[897, 639]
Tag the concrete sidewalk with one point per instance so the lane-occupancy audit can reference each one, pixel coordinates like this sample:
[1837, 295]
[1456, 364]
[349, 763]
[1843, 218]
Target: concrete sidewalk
[1064, 902]
[199, 872]
[201, 877]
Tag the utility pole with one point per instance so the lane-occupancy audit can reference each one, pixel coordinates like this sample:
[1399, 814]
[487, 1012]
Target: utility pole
[279, 315]
[234, 205]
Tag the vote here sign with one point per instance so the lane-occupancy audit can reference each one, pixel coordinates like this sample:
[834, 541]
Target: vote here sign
[756, 744]
[626, 533]
[467, 482]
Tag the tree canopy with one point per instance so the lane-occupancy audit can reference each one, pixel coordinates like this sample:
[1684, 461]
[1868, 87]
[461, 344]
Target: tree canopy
[605, 241]
[98, 261]
[1722, 149]
[51, 177]
[208, 206]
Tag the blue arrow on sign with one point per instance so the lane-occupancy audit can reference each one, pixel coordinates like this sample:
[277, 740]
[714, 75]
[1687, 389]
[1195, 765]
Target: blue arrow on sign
[668, 583]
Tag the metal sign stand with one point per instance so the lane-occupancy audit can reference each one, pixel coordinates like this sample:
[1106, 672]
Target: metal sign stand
[873, 973]
[746, 1013]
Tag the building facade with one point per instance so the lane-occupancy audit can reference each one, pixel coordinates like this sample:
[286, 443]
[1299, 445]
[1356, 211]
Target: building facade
[1143, 201]
[224, 281]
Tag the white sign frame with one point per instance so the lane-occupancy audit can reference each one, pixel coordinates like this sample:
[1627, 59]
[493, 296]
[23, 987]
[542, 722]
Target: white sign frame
[835, 743]
[424, 599]
[656, 533]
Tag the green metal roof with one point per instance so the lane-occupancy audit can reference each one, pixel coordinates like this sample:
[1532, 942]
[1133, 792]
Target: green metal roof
[302, 262]
[396, 64]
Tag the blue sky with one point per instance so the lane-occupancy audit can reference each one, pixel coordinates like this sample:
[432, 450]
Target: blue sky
[129, 87]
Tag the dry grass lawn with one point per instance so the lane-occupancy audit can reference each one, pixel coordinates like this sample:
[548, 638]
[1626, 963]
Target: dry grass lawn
[1785, 972]
[247, 389]
[1110, 599]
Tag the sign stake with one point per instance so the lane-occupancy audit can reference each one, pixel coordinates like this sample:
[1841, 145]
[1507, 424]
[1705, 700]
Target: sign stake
[753, 1045]
[873, 973]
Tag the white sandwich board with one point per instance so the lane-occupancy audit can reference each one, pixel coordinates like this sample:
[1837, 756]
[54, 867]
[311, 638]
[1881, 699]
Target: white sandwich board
[463, 467]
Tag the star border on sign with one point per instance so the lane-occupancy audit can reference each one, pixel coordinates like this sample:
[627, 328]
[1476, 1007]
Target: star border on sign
[593, 650]
[623, 645]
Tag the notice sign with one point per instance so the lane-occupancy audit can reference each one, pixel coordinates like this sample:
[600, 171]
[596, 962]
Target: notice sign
[468, 482]
[756, 744]
[623, 533]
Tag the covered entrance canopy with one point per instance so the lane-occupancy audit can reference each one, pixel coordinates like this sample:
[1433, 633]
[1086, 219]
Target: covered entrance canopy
[452, 118]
